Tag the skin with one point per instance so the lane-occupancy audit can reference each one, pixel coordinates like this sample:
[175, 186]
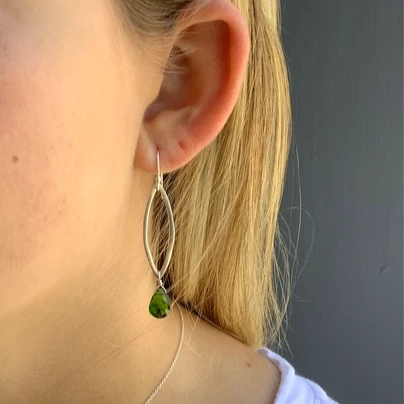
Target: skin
[81, 118]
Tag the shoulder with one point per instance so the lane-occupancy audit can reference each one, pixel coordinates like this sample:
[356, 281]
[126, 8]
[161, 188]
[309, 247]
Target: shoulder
[226, 370]
[293, 388]
[221, 369]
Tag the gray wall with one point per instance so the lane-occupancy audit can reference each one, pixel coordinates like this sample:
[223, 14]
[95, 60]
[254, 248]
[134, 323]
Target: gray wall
[346, 329]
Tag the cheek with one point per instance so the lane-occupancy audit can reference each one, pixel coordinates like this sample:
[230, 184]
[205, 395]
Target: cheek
[29, 174]
[64, 149]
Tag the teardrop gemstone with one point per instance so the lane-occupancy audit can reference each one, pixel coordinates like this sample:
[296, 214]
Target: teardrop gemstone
[160, 304]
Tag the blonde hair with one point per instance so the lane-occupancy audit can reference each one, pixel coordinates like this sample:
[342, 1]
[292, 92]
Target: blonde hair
[226, 200]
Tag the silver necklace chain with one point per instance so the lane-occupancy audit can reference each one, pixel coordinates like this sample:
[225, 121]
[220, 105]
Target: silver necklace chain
[157, 389]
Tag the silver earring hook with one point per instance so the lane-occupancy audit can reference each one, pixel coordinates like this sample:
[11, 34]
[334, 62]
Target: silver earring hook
[159, 178]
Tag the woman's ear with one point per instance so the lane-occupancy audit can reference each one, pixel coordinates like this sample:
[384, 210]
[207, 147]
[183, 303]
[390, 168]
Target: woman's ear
[212, 47]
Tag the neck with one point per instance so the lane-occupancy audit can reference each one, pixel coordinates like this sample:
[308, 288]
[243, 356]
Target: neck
[87, 341]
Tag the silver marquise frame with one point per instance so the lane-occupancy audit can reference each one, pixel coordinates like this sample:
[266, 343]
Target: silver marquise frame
[159, 188]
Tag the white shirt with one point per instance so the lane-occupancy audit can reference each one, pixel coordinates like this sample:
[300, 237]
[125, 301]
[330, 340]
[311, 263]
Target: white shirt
[295, 389]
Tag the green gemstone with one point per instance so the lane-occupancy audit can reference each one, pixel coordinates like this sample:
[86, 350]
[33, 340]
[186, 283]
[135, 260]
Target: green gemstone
[159, 304]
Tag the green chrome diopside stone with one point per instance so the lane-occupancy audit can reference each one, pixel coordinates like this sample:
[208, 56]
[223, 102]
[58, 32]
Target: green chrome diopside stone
[159, 304]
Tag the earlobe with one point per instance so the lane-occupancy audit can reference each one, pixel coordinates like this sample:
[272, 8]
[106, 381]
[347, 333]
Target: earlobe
[196, 100]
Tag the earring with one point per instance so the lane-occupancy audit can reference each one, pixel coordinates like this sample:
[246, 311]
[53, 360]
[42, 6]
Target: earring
[160, 303]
